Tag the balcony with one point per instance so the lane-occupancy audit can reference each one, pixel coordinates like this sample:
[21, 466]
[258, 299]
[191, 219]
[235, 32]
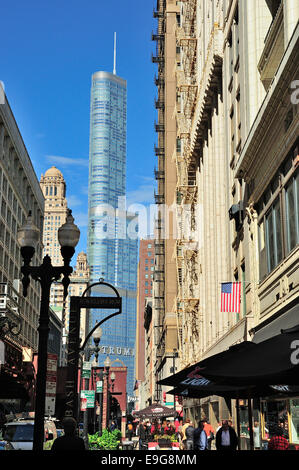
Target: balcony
[159, 104]
[158, 14]
[159, 276]
[159, 151]
[159, 59]
[273, 49]
[157, 37]
[159, 249]
[159, 80]
[159, 174]
[159, 198]
[159, 127]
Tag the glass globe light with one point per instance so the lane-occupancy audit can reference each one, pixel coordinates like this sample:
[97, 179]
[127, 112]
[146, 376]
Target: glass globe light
[68, 233]
[107, 362]
[28, 234]
[97, 334]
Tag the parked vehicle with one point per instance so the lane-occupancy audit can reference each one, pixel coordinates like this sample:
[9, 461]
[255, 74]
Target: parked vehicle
[19, 433]
[5, 445]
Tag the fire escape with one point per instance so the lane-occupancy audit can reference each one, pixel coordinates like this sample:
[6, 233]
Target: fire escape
[187, 301]
[159, 273]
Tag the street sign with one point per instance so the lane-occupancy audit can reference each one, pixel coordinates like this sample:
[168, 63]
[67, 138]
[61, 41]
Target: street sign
[100, 302]
[86, 370]
[99, 386]
[51, 380]
[88, 395]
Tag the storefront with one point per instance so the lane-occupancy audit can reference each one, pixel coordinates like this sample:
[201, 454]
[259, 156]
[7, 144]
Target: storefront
[283, 413]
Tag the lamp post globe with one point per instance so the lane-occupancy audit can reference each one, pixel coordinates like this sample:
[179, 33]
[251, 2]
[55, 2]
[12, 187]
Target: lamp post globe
[107, 362]
[68, 233]
[97, 335]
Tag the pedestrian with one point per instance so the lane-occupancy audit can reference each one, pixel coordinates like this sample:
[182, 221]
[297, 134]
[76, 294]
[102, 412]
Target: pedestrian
[184, 427]
[130, 430]
[142, 435]
[209, 432]
[190, 436]
[226, 437]
[200, 437]
[113, 426]
[256, 435]
[278, 441]
[69, 441]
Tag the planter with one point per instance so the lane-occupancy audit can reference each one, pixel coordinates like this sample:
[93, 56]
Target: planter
[164, 442]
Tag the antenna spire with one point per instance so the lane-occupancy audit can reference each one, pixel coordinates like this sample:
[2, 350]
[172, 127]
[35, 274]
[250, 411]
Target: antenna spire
[114, 62]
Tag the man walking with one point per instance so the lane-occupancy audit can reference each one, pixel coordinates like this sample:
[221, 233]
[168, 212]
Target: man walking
[189, 433]
[226, 437]
[184, 427]
[142, 435]
[209, 432]
[200, 437]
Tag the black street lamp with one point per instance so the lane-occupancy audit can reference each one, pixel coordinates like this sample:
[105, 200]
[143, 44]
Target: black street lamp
[88, 351]
[107, 364]
[28, 236]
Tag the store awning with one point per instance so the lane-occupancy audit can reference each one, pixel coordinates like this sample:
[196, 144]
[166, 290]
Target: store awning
[235, 392]
[155, 411]
[271, 362]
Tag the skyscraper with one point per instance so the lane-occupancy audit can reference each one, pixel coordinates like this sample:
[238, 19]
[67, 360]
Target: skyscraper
[112, 255]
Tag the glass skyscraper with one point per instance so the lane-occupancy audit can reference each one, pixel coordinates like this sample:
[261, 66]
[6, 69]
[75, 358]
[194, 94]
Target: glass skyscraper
[112, 254]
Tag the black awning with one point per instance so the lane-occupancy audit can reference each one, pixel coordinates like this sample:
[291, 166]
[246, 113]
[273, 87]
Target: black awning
[235, 392]
[155, 411]
[271, 362]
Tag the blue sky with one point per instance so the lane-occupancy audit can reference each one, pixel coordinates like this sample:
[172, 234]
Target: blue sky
[49, 50]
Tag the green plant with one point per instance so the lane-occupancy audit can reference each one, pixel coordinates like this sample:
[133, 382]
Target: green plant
[107, 441]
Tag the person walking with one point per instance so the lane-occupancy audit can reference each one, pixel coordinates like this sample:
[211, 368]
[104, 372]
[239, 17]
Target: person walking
[184, 427]
[200, 437]
[189, 433]
[209, 430]
[130, 430]
[142, 434]
[278, 441]
[226, 437]
[69, 441]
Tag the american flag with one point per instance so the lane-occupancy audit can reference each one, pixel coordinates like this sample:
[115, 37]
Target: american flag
[230, 297]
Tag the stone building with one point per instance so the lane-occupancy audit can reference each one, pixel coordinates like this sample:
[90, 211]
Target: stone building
[236, 113]
[164, 290]
[19, 193]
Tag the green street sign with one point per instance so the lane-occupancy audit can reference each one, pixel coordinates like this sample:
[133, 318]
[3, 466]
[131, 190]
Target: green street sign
[86, 370]
[99, 386]
[89, 395]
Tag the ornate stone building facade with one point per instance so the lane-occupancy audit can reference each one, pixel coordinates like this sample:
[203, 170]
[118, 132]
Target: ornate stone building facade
[19, 193]
[236, 158]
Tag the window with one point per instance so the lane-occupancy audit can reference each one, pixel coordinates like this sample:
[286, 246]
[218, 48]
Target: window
[292, 212]
[278, 212]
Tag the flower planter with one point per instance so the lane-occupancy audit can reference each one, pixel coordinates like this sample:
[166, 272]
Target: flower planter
[164, 442]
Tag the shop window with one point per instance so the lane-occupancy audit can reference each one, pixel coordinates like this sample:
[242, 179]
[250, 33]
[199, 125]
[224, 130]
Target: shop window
[294, 420]
[275, 414]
